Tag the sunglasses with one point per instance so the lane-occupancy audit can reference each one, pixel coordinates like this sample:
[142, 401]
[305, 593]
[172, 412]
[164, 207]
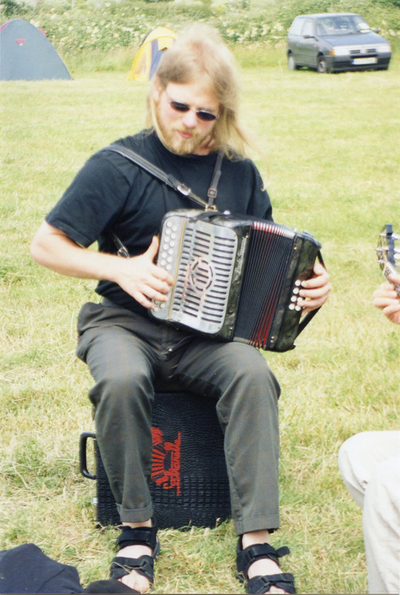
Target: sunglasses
[202, 114]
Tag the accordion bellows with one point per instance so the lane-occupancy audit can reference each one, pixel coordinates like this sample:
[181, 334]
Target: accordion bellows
[235, 278]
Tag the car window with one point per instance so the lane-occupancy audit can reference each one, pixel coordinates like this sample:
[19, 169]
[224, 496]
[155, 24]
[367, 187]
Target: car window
[296, 26]
[320, 28]
[341, 25]
[360, 24]
[307, 28]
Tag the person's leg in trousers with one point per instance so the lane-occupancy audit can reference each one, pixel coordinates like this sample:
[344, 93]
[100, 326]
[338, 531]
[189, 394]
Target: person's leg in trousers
[360, 455]
[381, 523]
[238, 376]
[123, 369]
[371, 473]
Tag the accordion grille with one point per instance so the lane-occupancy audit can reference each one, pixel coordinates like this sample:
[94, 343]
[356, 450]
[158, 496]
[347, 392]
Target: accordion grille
[204, 276]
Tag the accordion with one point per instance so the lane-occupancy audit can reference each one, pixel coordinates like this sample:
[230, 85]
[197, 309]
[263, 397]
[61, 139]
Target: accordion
[235, 278]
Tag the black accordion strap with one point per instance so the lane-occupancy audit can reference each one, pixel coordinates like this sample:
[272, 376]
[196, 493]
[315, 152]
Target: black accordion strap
[308, 317]
[212, 191]
[157, 172]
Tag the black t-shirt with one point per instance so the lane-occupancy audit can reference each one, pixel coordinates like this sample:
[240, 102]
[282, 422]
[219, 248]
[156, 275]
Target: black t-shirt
[112, 193]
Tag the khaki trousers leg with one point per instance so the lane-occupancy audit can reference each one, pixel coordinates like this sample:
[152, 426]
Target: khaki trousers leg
[370, 466]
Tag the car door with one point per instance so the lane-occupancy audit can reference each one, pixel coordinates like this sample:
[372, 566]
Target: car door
[294, 38]
[308, 44]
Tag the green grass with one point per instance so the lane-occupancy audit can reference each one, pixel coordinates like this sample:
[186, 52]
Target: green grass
[331, 166]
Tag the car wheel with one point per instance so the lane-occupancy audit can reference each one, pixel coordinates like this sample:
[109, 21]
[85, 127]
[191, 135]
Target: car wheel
[292, 62]
[322, 66]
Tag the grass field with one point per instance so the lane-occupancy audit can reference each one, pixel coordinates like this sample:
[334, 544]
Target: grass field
[331, 166]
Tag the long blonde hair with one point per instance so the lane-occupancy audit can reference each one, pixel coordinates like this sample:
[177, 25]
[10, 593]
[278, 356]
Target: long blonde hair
[199, 53]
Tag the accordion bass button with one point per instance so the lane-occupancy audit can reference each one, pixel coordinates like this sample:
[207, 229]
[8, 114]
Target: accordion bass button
[291, 306]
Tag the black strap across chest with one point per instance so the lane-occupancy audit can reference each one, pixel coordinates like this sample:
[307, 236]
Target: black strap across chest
[169, 179]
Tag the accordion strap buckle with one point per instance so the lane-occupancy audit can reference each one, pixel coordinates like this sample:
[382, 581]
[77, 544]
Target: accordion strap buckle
[183, 189]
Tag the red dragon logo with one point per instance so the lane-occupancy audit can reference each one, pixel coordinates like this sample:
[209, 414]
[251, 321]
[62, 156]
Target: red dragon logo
[166, 464]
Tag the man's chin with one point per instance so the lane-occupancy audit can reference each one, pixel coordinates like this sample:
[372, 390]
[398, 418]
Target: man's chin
[182, 147]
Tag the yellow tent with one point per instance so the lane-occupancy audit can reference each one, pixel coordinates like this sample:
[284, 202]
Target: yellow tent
[149, 53]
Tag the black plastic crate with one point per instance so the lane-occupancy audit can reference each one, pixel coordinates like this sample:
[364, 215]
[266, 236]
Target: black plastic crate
[189, 482]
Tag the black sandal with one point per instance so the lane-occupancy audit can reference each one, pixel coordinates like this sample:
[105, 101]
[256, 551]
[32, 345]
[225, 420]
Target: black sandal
[262, 584]
[144, 565]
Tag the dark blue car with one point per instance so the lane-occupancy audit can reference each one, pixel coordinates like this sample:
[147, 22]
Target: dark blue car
[336, 42]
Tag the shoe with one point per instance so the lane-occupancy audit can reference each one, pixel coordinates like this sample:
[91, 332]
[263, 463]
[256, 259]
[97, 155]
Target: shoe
[144, 565]
[262, 584]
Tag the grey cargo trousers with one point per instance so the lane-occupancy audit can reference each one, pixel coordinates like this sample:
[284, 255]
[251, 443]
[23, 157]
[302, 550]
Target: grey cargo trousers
[126, 353]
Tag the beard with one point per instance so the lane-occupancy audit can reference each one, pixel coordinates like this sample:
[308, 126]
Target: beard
[174, 142]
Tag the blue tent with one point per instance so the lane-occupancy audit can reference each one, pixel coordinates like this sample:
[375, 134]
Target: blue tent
[26, 54]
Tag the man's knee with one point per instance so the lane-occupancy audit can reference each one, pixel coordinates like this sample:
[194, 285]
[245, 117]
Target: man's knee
[117, 389]
[352, 452]
[251, 368]
[243, 358]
